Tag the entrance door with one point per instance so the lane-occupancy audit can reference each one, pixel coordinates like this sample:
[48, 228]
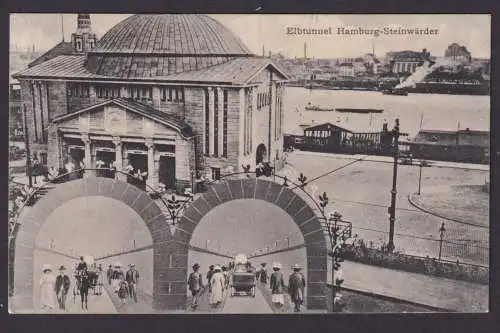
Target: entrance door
[140, 163]
[261, 155]
[107, 157]
[167, 171]
[77, 155]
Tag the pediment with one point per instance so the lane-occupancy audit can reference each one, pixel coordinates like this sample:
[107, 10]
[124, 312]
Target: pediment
[118, 119]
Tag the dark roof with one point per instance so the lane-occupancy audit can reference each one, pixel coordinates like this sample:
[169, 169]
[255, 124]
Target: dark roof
[63, 48]
[171, 34]
[405, 55]
[142, 109]
[326, 126]
[235, 71]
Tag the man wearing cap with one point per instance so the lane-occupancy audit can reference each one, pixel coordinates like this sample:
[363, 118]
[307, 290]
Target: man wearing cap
[195, 285]
[132, 278]
[62, 287]
[296, 286]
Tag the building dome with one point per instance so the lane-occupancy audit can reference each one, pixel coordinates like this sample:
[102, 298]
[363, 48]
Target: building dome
[163, 44]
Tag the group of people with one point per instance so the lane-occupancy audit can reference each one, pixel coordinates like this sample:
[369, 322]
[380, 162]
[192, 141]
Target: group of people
[296, 285]
[57, 287]
[217, 283]
[123, 283]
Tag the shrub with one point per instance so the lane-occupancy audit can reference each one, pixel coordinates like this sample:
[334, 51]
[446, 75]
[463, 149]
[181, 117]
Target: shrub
[359, 252]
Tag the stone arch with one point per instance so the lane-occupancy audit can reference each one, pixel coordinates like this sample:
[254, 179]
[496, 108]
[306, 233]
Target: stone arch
[283, 197]
[130, 195]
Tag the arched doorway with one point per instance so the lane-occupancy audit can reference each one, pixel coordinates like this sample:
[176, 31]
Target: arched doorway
[283, 197]
[261, 154]
[131, 196]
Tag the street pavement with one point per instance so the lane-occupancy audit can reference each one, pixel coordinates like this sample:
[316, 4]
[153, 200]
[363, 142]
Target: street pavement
[247, 304]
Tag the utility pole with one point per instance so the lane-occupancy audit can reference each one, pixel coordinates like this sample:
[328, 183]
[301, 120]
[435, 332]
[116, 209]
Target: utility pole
[392, 209]
[27, 147]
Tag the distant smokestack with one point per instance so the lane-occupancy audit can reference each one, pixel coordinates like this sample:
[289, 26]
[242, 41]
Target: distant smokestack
[263, 51]
[305, 50]
[269, 53]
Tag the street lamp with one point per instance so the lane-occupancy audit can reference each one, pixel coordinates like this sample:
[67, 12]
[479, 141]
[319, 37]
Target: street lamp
[441, 236]
[335, 243]
[392, 209]
[421, 165]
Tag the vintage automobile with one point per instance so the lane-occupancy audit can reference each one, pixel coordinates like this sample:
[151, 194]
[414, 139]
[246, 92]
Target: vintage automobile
[242, 279]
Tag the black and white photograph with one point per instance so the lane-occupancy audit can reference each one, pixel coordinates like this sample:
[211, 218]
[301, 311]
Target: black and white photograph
[249, 163]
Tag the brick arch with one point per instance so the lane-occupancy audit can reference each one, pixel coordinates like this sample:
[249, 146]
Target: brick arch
[281, 196]
[31, 223]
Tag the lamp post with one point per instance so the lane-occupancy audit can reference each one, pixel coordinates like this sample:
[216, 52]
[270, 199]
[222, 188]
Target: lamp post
[27, 147]
[421, 165]
[392, 209]
[333, 235]
[441, 236]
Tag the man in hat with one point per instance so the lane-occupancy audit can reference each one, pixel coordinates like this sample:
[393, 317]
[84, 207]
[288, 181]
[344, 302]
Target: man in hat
[195, 285]
[109, 273]
[209, 277]
[62, 287]
[132, 278]
[296, 286]
[263, 273]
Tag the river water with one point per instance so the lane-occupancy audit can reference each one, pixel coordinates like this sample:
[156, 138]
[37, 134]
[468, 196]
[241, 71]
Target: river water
[437, 111]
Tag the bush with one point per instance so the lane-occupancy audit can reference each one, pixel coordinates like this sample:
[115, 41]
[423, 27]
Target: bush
[360, 252]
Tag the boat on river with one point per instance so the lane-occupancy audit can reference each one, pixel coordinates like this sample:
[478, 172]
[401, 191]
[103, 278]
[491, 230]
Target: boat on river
[317, 108]
[356, 110]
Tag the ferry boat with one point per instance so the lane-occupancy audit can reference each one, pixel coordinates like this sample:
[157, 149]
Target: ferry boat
[397, 92]
[317, 108]
[354, 110]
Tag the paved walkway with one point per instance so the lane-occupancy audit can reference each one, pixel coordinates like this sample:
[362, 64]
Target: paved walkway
[418, 288]
[247, 304]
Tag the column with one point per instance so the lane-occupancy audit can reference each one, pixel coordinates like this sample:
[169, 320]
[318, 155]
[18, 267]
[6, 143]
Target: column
[211, 127]
[119, 158]
[152, 179]
[242, 130]
[87, 160]
[220, 139]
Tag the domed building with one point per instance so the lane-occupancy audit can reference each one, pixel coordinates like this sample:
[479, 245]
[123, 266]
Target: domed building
[177, 96]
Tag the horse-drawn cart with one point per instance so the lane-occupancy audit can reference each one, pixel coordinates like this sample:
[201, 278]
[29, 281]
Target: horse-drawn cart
[243, 279]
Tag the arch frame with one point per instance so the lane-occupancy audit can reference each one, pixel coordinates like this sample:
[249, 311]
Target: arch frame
[23, 300]
[227, 190]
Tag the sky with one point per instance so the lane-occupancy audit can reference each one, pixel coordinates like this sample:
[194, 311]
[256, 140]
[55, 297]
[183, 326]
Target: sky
[255, 30]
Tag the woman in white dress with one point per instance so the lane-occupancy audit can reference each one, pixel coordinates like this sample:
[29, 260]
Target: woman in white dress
[47, 289]
[217, 285]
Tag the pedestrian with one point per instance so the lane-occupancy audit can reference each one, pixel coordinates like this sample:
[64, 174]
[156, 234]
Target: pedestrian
[296, 286]
[47, 288]
[62, 287]
[277, 285]
[263, 273]
[217, 285]
[209, 277]
[109, 274]
[100, 279]
[195, 285]
[132, 279]
[226, 277]
[118, 277]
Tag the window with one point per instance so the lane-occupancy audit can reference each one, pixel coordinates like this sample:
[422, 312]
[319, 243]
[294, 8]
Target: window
[224, 128]
[140, 92]
[170, 94]
[215, 173]
[92, 43]
[78, 45]
[216, 123]
[263, 99]
[207, 123]
[78, 90]
[109, 91]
